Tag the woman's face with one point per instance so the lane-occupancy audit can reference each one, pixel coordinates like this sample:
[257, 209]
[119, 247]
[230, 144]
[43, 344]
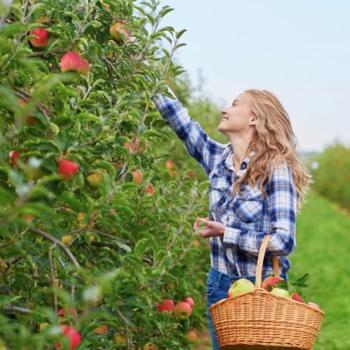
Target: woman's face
[237, 117]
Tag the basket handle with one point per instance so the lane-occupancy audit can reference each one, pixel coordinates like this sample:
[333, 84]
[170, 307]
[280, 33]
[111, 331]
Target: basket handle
[259, 265]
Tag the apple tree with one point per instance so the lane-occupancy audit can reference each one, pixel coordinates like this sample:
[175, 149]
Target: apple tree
[95, 219]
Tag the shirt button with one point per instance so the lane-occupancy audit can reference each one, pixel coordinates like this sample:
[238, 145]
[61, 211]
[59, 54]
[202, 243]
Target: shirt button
[243, 166]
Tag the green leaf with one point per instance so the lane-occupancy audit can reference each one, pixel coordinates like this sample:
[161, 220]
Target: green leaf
[6, 300]
[165, 10]
[301, 281]
[180, 33]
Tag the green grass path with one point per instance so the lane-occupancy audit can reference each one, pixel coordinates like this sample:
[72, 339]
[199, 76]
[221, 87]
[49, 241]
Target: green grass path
[323, 250]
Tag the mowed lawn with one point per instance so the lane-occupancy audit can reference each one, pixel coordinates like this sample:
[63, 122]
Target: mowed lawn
[323, 250]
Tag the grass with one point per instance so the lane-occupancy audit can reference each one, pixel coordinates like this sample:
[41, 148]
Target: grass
[323, 250]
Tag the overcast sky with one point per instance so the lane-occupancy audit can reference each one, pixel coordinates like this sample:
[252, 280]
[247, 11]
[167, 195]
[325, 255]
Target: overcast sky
[299, 50]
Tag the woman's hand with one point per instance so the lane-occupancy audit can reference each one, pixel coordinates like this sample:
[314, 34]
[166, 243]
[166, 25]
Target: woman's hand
[212, 228]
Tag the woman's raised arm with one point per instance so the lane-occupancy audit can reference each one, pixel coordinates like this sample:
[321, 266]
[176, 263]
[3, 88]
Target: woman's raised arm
[198, 144]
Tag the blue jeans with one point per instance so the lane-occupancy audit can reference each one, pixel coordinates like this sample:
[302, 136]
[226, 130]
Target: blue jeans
[218, 285]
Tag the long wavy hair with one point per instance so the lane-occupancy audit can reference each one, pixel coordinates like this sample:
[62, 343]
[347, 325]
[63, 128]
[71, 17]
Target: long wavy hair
[274, 143]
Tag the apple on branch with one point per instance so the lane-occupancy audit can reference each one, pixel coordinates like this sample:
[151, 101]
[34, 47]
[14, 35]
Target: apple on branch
[95, 179]
[67, 168]
[190, 301]
[167, 305]
[72, 334]
[13, 157]
[103, 329]
[183, 310]
[192, 335]
[72, 61]
[150, 346]
[137, 176]
[41, 37]
[120, 32]
[119, 340]
[67, 239]
[150, 190]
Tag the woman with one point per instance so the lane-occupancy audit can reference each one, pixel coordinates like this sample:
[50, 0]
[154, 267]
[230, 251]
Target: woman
[257, 185]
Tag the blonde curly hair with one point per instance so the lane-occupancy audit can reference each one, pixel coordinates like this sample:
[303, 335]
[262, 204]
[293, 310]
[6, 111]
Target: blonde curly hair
[274, 142]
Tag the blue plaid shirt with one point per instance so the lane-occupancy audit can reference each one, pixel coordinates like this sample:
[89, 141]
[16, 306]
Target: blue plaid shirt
[249, 216]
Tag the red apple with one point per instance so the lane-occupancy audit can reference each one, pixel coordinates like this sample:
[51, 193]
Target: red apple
[103, 329]
[72, 334]
[191, 173]
[190, 301]
[192, 335]
[135, 146]
[30, 120]
[271, 282]
[170, 164]
[73, 61]
[166, 305]
[41, 37]
[14, 156]
[70, 311]
[296, 296]
[137, 176]
[183, 310]
[29, 218]
[120, 32]
[150, 190]
[173, 173]
[67, 168]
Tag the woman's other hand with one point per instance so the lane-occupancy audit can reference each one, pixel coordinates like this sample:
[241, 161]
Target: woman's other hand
[211, 229]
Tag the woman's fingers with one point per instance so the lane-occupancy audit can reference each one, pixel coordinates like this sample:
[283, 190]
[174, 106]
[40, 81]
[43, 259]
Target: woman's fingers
[205, 220]
[197, 222]
[207, 232]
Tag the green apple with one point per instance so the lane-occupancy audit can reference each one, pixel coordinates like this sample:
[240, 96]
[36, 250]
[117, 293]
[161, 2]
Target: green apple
[239, 287]
[95, 179]
[280, 292]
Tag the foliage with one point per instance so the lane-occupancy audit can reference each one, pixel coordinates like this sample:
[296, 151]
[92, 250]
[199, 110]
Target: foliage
[110, 250]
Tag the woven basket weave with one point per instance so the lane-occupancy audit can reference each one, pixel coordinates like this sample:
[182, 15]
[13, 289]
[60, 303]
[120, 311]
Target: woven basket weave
[259, 320]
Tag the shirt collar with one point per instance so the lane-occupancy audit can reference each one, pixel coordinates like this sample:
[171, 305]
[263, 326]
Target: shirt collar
[227, 160]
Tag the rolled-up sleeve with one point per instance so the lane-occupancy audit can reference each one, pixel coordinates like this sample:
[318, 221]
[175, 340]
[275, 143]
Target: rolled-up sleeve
[282, 207]
[196, 141]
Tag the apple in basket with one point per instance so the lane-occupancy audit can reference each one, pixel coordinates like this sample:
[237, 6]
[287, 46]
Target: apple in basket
[314, 305]
[272, 282]
[280, 292]
[297, 297]
[239, 287]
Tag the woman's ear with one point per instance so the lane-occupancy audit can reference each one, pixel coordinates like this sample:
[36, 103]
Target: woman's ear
[253, 118]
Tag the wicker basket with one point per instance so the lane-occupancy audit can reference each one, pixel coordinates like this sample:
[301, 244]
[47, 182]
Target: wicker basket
[261, 320]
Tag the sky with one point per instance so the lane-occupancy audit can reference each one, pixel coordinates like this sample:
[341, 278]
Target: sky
[297, 49]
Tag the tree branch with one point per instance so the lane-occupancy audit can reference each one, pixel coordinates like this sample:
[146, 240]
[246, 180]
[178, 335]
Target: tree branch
[60, 244]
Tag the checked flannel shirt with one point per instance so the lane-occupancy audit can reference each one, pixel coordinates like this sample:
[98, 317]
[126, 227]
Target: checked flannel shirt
[248, 217]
